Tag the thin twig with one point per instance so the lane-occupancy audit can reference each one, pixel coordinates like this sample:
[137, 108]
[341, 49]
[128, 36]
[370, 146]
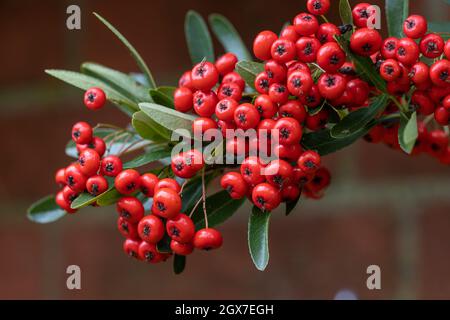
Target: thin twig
[195, 207]
[204, 197]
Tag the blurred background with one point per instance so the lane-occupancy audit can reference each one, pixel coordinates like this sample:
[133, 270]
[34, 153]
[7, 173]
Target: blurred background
[382, 208]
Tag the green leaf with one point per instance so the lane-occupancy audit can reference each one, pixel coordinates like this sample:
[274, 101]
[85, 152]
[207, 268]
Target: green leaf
[120, 81]
[440, 26]
[324, 143]
[164, 244]
[179, 263]
[219, 207]
[396, 14]
[148, 129]
[85, 82]
[249, 70]
[345, 11]
[162, 98]
[168, 118]
[85, 199]
[356, 120]
[154, 154]
[290, 205]
[109, 198]
[198, 39]
[364, 65]
[228, 36]
[121, 141]
[258, 238]
[407, 132]
[136, 56]
[45, 210]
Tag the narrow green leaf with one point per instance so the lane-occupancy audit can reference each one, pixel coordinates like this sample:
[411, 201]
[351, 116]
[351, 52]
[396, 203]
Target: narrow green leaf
[258, 238]
[407, 132]
[154, 154]
[139, 61]
[164, 244]
[168, 118]
[228, 36]
[324, 143]
[148, 128]
[85, 199]
[290, 205]
[198, 39]
[364, 65]
[120, 81]
[109, 198]
[345, 11]
[219, 207]
[179, 263]
[45, 210]
[396, 13]
[249, 70]
[162, 99]
[85, 82]
[356, 120]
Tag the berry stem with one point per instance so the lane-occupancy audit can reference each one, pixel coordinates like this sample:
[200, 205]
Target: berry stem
[108, 126]
[324, 18]
[195, 207]
[204, 197]
[183, 185]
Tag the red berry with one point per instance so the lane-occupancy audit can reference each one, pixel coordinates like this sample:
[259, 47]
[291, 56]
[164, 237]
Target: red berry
[225, 109]
[131, 248]
[207, 239]
[60, 177]
[89, 161]
[320, 181]
[168, 183]
[432, 45]
[318, 7]
[288, 152]
[127, 181]
[293, 109]
[252, 171]
[390, 70]
[389, 48]
[299, 83]
[278, 173]
[63, 203]
[98, 144]
[300, 177]
[446, 102]
[266, 124]
[419, 73]
[415, 26]
[266, 108]
[289, 131]
[438, 141]
[266, 197]
[246, 116]
[223, 126]
[440, 73]
[447, 49]
[442, 116]
[204, 103]
[149, 253]
[407, 51]
[225, 64]
[130, 209]
[317, 121]
[74, 178]
[69, 195]
[96, 185]
[262, 82]
[313, 98]
[361, 14]
[283, 50]
[422, 102]
[305, 24]
[297, 66]
[263, 43]
[229, 90]
[278, 93]
[186, 81]
[181, 228]
[148, 181]
[309, 161]
[359, 90]
[127, 229]
[234, 77]
[235, 184]
[151, 229]
[290, 192]
[111, 166]
[365, 42]
[182, 249]
[187, 164]
[81, 133]
[331, 86]
[289, 33]
[276, 71]
[203, 124]
[204, 76]
[183, 99]
[166, 203]
[326, 32]
[94, 98]
[330, 57]
[307, 48]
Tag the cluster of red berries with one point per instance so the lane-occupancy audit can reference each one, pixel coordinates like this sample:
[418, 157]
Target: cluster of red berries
[143, 232]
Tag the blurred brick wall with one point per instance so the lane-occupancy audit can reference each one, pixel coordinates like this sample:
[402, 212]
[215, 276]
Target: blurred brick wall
[382, 208]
